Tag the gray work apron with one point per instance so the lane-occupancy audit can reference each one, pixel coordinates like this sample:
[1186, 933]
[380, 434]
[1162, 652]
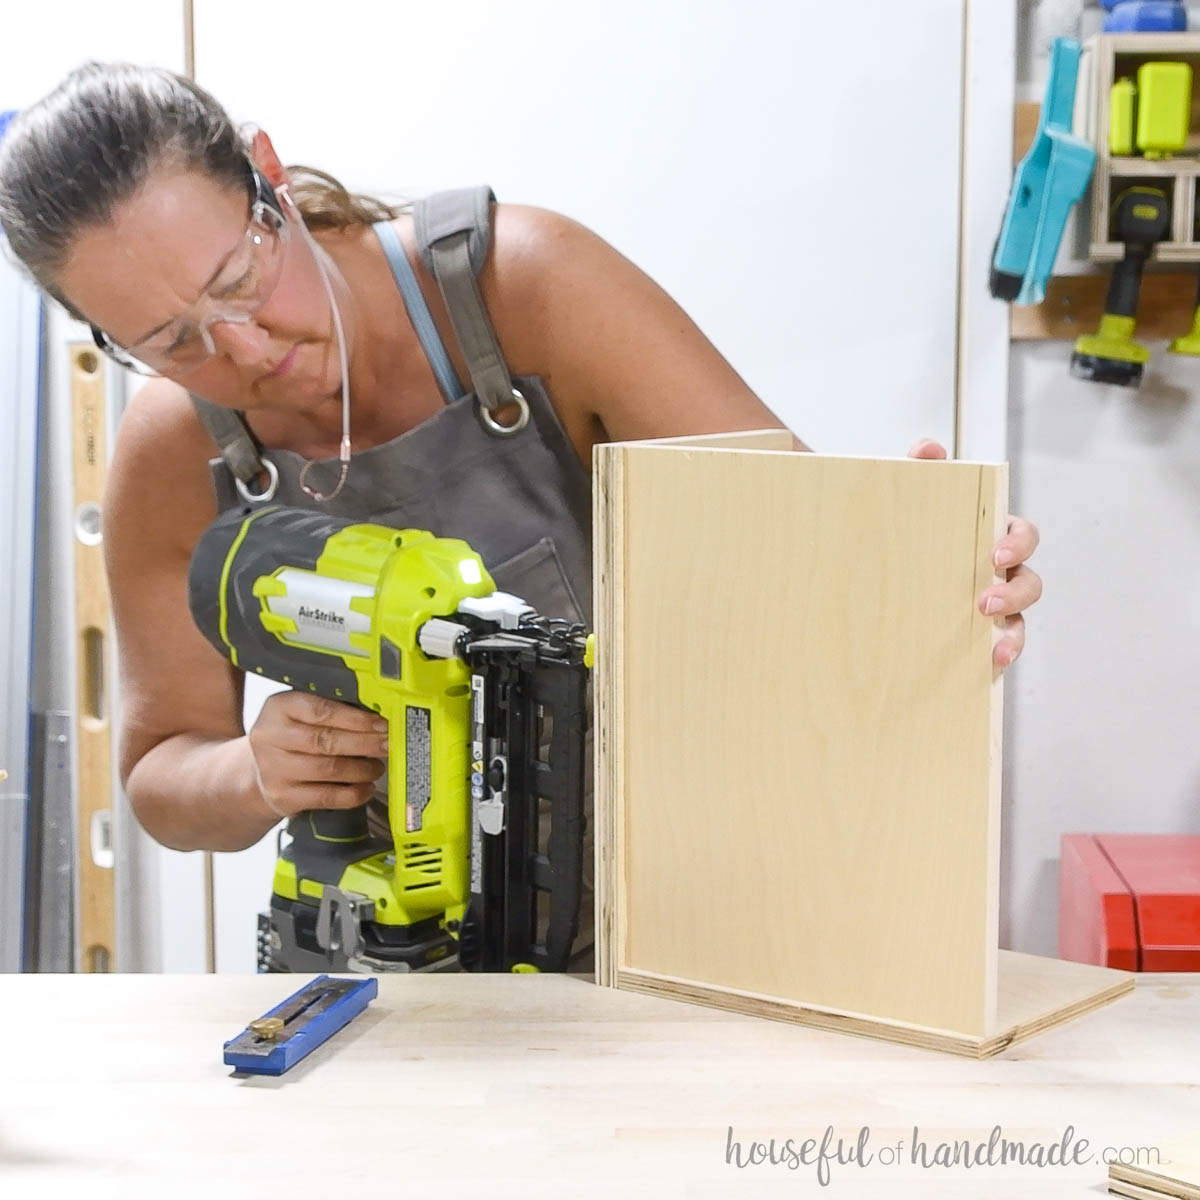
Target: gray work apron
[521, 500]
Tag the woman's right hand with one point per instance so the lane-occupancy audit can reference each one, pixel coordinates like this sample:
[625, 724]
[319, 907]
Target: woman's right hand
[311, 752]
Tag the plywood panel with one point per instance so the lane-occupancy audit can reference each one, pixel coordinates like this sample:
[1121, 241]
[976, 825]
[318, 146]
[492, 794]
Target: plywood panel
[1034, 995]
[806, 780]
[1133, 1192]
[1174, 1174]
[753, 439]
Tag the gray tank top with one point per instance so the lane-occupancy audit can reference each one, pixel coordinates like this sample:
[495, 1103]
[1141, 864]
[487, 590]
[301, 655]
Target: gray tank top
[521, 500]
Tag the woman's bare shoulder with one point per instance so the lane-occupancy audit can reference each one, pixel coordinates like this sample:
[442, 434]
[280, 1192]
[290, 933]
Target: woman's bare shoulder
[623, 352]
[159, 480]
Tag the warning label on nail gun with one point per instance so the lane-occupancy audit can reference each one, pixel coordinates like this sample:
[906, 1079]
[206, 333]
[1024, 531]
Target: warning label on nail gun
[418, 769]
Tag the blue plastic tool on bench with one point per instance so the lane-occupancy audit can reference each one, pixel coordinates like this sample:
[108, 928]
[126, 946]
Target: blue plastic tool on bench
[279, 1039]
[1048, 182]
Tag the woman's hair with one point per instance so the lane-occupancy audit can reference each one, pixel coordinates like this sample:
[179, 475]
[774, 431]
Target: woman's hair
[72, 158]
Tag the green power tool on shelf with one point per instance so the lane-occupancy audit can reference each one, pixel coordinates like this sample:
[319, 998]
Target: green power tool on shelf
[1189, 343]
[485, 702]
[1141, 218]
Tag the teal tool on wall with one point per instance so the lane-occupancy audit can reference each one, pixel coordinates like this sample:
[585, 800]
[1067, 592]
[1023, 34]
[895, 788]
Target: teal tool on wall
[1048, 182]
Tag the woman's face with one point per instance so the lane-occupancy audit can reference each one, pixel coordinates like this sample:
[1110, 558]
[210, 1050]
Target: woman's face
[161, 252]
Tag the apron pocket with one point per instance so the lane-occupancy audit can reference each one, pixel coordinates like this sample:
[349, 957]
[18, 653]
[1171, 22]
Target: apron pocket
[536, 575]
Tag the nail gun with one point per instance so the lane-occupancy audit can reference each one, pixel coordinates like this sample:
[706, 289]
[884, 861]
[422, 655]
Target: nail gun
[485, 701]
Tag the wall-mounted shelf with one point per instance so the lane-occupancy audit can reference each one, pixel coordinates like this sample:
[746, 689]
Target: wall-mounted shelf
[1074, 303]
[1116, 56]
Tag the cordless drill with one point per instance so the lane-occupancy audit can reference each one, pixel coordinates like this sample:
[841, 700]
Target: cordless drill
[485, 702]
[1141, 218]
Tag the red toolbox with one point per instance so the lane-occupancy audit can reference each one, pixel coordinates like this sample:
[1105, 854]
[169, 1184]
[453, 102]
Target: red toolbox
[1130, 900]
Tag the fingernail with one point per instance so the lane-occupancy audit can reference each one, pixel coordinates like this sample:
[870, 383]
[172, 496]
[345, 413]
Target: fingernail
[994, 605]
[383, 745]
[1004, 558]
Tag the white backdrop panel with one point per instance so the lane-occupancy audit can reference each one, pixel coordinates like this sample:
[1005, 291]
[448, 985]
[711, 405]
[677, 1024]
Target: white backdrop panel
[790, 176]
[41, 43]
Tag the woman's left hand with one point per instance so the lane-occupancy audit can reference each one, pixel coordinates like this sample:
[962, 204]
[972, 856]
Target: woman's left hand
[1023, 587]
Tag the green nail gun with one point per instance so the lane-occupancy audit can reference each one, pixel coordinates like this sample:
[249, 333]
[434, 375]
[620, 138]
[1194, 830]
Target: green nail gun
[486, 704]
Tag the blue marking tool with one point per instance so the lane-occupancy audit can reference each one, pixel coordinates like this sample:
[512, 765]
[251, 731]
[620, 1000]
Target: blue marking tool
[282, 1037]
[1049, 180]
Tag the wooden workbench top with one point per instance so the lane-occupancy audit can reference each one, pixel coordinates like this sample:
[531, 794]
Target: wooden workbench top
[528, 1086]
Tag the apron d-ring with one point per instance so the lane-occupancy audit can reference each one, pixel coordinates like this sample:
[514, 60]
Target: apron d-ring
[268, 492]
[493, 426]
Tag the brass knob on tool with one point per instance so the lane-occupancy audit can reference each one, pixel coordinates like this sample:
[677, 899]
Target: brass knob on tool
[267, 1028]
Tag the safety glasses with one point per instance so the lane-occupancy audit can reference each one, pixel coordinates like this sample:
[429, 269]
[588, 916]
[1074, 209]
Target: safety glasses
[245, 284]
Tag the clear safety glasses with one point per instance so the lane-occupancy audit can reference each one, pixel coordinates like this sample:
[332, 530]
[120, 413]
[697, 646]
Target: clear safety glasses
[244, 285]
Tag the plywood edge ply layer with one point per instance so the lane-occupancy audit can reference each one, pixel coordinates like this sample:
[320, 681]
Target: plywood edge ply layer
[1045, 998]
[1175, 1177]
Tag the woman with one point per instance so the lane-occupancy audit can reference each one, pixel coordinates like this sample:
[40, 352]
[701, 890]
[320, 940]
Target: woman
[132, 199]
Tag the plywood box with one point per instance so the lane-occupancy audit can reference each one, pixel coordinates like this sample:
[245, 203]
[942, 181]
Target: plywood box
[798, 742]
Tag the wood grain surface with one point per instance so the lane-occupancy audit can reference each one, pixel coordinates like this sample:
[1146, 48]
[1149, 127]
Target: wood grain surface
[808, 779]
[528, 1087]
[93, 721]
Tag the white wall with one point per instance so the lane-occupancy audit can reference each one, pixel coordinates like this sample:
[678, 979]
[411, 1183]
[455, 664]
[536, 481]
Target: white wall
[792, 182]
[1102, 715]
[1102, 735]
[41, 43]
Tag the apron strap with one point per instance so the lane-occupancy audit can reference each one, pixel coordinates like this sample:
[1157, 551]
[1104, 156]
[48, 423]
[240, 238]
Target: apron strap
[237, 444]
[453, 231]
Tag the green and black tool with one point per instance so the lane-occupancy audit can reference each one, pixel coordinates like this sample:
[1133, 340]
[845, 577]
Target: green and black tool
[486, 705]
[1189, 343]
[1141, 218]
